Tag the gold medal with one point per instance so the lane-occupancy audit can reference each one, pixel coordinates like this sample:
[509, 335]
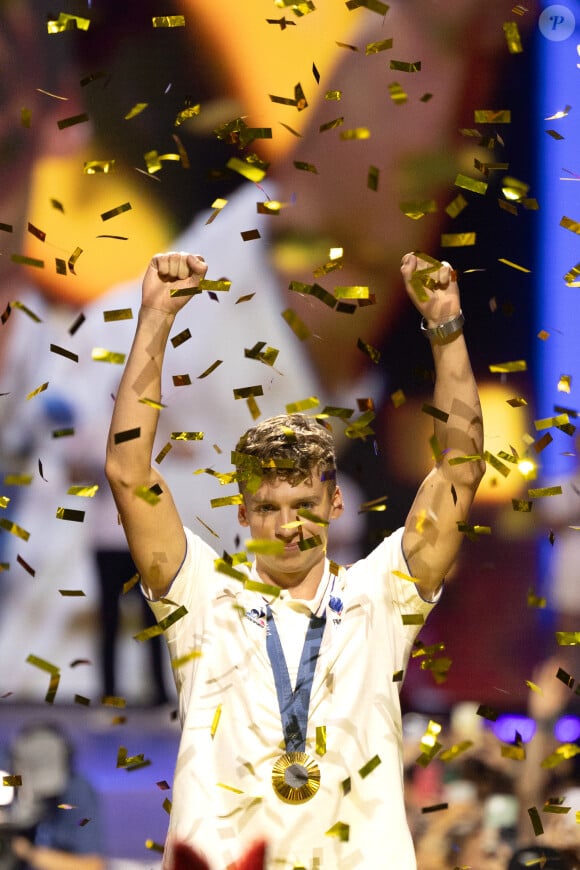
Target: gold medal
[295, 777]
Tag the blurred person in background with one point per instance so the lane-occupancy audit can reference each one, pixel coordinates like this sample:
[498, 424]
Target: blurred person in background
[54, 821]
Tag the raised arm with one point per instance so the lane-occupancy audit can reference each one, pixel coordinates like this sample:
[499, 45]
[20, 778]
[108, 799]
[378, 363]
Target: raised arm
[154, 530]
[432, 538]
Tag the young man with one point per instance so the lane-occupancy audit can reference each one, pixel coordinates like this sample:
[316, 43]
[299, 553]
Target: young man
[288, 669]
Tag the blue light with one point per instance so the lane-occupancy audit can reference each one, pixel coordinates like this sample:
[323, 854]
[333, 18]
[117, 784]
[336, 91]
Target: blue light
[505, 728]
[567, 729]
[558, 251]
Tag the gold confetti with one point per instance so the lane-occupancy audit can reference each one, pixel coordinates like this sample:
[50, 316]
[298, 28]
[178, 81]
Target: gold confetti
[250, 235]
[514, 265]
[183, 660]
[548, 422]
[373, 178]
[533, 599]
[429, 744]
[456, 206]
[181, 380]
[215, 721]
[27, 311]
[209, 370]
[563, 638]
[187, 436]
[42, 664]
[72, 121]
[352, 292]
[217, 205]
[148, 494]
[13, 529]
[544, 491]
[262, 588]
[435, 412]
[356, 133]
[168, 21]
[536, 821]
[435, 808]
[27, 261]
[310, 543]
[127, 435]
[135, 111]
[516, 753]
[72, 593]
[251, 171]
[220, 286]
[376, 47]
[331, 125]
[321, 740]
[295, 323]
[38, 390]
[54, 348]
[368, 768]
[72, 261]
[84, 491]
[247, 392]
[69, 514]
[495, 463]
[473, 184]
[229, 788]
[572, 278]
[101, 354]
[512, 35]
[96, 167]
[492, 116]
[562, 753]
[305, 167]
[340, 829]
[265, 546]
[117, 314]
[519, 365]
[405, 66]
[565, 384]
[154, 847]
[458, 240]
[452, 753]
[472, 531]
[398, 95]
[163, 453]
[14, 781]
[333, 96]
[227, 500]
[522, 505]
[17, 479]
[413, 619]
[152, 403]
[120, 209]
[373, 354]
[303, 405]
[417, 210]
[569, 224]
[65, 21]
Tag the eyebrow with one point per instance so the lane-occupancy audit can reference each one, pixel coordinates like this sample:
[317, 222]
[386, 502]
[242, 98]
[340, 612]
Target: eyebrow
[257, 500]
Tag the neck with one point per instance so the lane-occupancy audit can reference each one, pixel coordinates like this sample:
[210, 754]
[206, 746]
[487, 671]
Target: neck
[298, 585]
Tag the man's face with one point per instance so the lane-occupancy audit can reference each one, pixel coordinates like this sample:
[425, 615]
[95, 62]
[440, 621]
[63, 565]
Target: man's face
[272, 513]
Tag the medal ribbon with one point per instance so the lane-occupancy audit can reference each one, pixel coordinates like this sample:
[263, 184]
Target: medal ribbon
[294, 704]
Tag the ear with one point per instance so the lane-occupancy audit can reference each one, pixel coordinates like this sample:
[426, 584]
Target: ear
[243, 515]
[337, 505]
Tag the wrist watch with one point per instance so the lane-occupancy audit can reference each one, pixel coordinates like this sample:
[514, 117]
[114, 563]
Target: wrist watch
[443, 330]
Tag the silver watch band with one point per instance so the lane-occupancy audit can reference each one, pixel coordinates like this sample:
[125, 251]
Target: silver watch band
[444, 330]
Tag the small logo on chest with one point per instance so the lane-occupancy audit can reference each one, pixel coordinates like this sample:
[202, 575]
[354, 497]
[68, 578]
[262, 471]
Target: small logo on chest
[335, 606]
[257, 616]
